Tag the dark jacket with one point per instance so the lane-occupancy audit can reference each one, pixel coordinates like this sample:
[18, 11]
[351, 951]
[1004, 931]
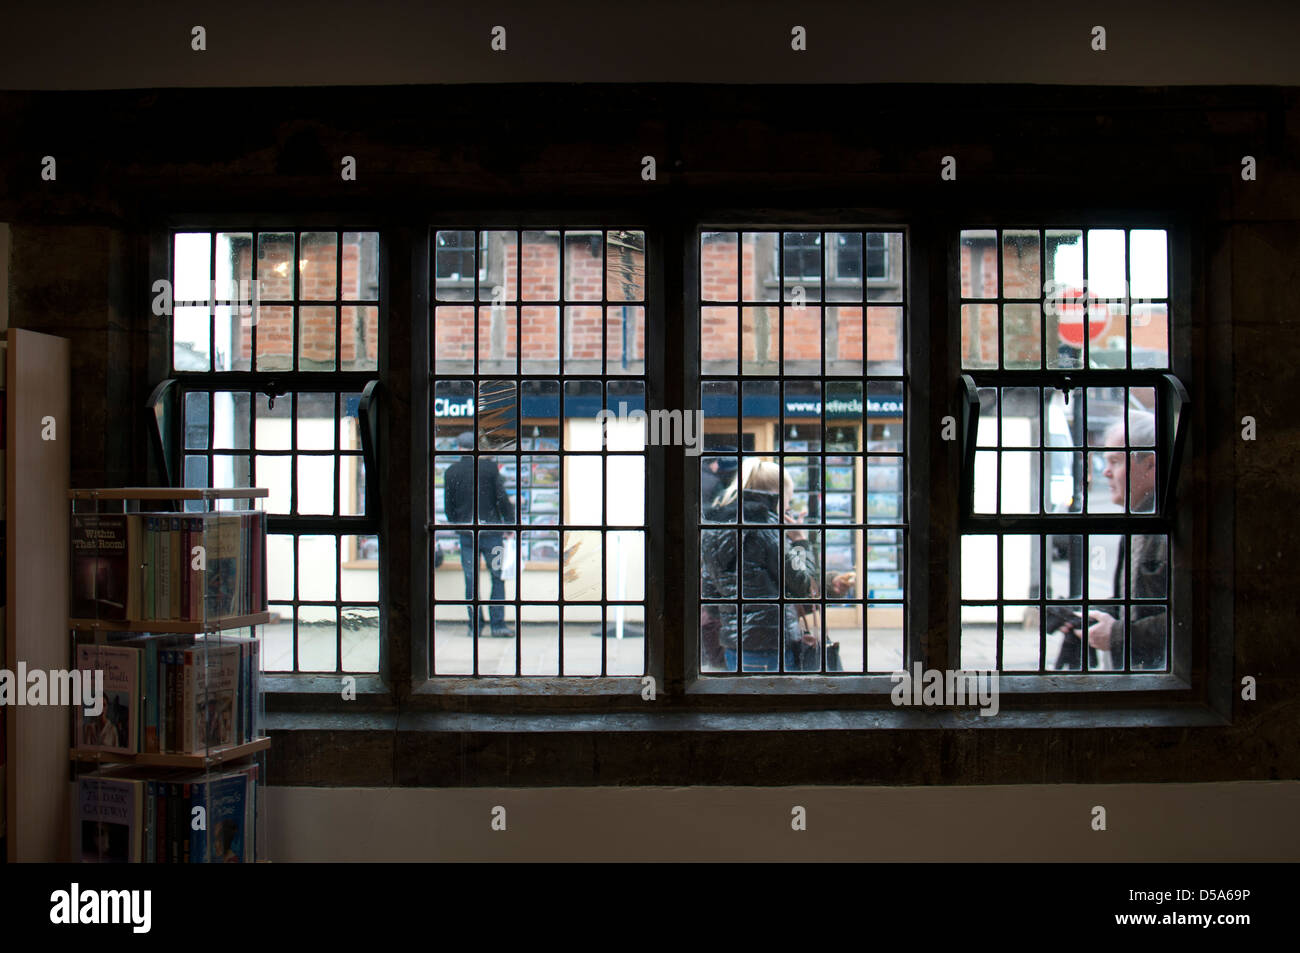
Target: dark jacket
[1146, 630]
[494, 504]
[761, 563]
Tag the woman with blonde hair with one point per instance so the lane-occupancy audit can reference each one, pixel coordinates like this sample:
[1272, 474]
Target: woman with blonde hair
[760, 494]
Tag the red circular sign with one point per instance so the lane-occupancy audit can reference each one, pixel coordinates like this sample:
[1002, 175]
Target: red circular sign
[1074, 311]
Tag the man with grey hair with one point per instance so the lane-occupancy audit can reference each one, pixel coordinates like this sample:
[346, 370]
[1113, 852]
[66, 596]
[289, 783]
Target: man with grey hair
[1132, 474]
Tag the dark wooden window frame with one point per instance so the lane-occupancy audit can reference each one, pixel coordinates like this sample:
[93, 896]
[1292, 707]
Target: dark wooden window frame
[1197, 692]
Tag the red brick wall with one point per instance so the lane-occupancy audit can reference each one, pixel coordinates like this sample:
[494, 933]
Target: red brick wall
[359, 338]
[539, 273]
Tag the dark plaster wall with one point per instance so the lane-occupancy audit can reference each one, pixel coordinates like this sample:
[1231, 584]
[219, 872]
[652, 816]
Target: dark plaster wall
[126, 160]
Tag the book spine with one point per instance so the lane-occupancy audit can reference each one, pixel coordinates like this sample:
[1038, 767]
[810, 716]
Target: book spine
[187, 702]
[178, 559]
[151, 696]
[195, 845]
[160, 824]
[186, 546]
[151, 829]
[184, 835]
[173, 823]
[163, 592]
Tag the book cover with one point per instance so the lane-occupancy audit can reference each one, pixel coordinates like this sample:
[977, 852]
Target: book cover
[227, 801]
[116, 726]
[100, 575]
[212, 689]
[109, 819]
[223, 573]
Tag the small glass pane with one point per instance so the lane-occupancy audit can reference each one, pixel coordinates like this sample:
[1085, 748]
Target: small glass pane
[719, 336]
[625, 265]
[196, 421]
[718, 266]
[359, 576]
[455, 265]
[979, 638]
[1151, 335]
[360, 338]
[844, 341]
[279, 567]
[191, 339]
[316, 338]
[273, 473]
[1021, 416]
[315, 485]
[583, 627]
[979, 336]
[275, 271]
[582, 565]
[760, 328]
[1148, 263]
[1020, 639]
[317, 564]
[498, 336]
[453, 328]
[1149, 566]
[191, 266]
[1021, 277]
[360, 631]
[498, 415]
[541, 266]
[1105, 569]
[885, 341]
[979, 562]
[317, 638]
[1142, 481]
[1020, 481]
[318, 266]
[315, 420]
[1148, 638]
[979, 267]
[802, 336]
[625, 566]
[1066, 565]
[582, 339]
[717, 634]
[274, 331]
[360, 266]
[583, 274]
[625, 333]
[1021, 342]
[539, 636]
[539, 339]
[1021, 561]
[760, 279]
[498, 267]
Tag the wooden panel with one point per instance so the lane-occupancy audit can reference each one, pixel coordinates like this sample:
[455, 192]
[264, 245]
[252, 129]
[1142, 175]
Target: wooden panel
[36, 568]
